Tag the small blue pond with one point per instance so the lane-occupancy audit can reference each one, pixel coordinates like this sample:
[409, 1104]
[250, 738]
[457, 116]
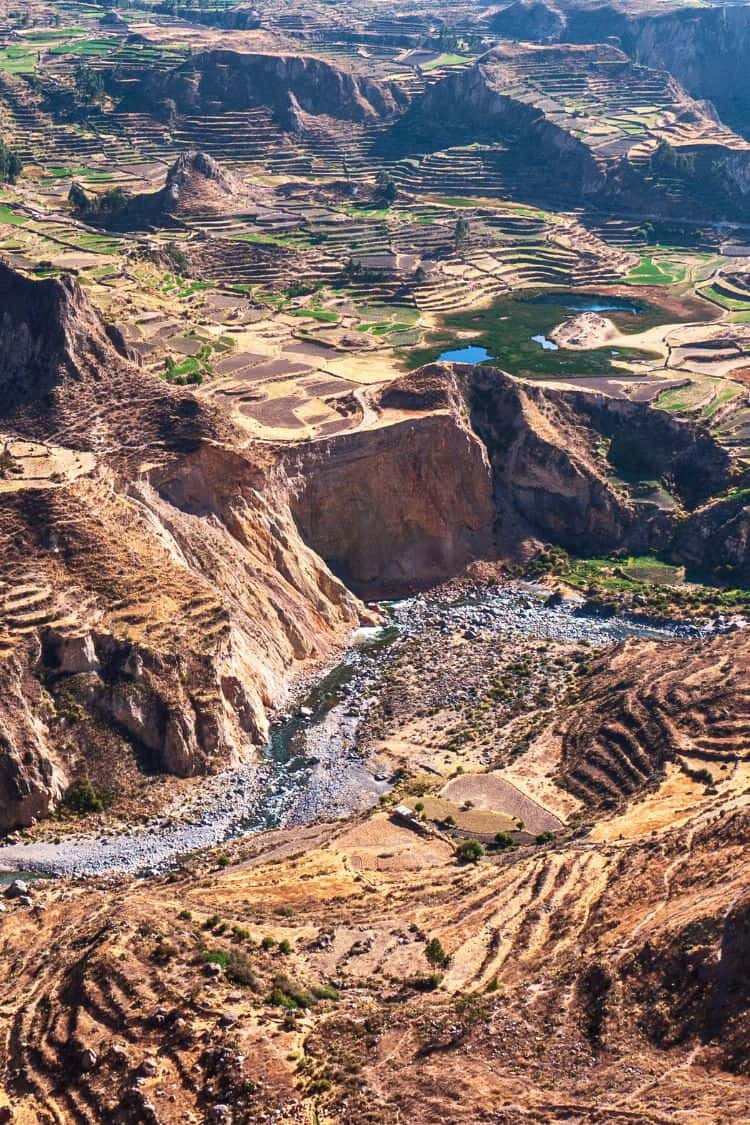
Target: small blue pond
[465, 355]
[548, 345]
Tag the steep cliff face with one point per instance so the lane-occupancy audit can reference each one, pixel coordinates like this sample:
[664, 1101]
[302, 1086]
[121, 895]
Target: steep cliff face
[219, 81]
[31, 778]
[398, 507]
[468, 462]
[560, 459]
[160, 593]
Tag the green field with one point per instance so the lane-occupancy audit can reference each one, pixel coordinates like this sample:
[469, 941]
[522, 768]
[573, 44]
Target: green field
[506, 328]
[657, 271]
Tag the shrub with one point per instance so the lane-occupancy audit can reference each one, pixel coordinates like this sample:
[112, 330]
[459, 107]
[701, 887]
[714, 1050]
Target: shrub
[268, 942]
[10, 164]
[185, 916]
[216, 957]
[239, 969]
[284, 946]
[324, 992]
[544, 837]
[504, 840]
[435, 953]
[286, 993]
[82, 798]
[425, 983]
[470, 851]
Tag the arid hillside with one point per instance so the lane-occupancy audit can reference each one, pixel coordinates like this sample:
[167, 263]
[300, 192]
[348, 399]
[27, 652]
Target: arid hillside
[156, 600]
[346, 970]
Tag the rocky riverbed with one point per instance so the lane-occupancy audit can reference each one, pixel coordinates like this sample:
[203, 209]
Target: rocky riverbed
[322, 762]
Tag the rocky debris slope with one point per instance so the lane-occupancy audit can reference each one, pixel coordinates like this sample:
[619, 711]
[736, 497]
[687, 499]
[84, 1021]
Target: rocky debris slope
[220, 81]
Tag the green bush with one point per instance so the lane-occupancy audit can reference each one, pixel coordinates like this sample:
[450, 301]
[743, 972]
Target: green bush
[504, 840]
[435, 953]
[324, 992]
[216, 957]
[10, 164]
[470, 851]
[82, 798]
[544, 837]
[239, 969]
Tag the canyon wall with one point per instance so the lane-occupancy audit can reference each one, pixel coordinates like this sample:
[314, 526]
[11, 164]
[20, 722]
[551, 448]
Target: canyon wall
[163, 580]
[220, 81]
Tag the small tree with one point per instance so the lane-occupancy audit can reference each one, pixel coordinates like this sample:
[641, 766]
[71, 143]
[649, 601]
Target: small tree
[386, 186]
[89, 84]
[435, 953]
[78, 198]
[470, 851]
[112, 201]
[10, 164]
[461, 231]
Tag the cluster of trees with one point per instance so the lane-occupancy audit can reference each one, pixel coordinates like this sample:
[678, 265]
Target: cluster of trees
[109, 203]
[667, 161]
[89, 84]
[10, 164]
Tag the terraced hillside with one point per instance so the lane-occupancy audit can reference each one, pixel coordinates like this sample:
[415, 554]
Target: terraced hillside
[320, 971]
[616, 133]
[312, 303]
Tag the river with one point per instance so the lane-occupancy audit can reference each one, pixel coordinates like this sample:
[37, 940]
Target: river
[312, 768]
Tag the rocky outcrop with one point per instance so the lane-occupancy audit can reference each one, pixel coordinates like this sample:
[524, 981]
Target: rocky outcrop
[716, 540]
[220, 81]
[31, 777]
[468, 462]
[401, 506]
[560, 459]
[194, 183]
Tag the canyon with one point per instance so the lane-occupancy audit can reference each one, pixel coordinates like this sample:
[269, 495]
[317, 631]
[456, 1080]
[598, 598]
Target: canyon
[374, 563]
